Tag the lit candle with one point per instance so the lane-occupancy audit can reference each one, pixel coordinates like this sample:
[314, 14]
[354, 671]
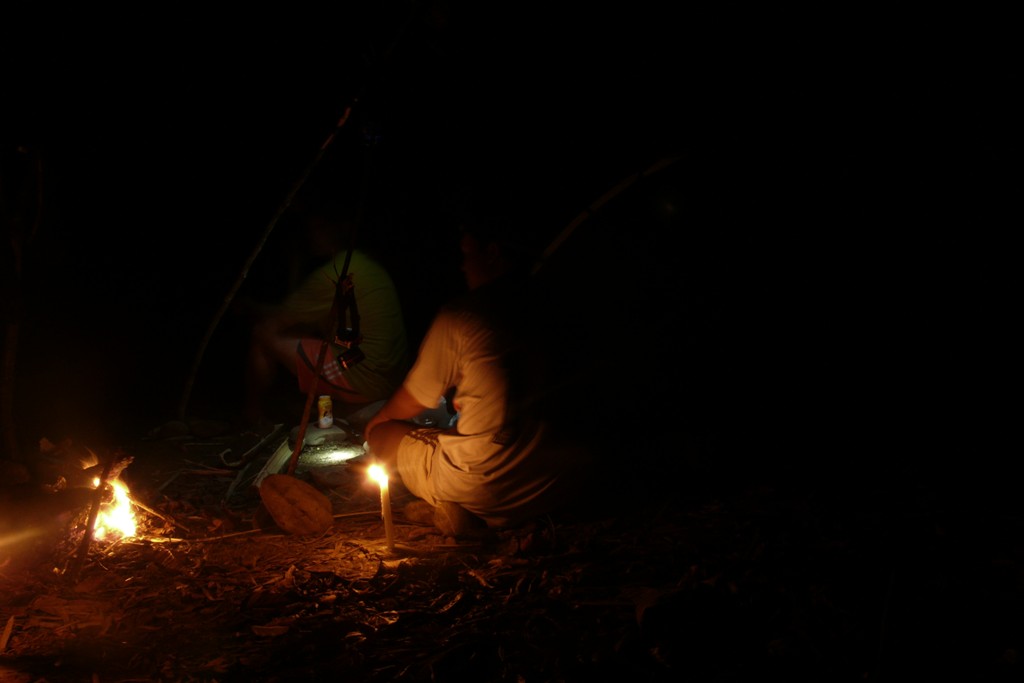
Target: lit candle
[377, 473]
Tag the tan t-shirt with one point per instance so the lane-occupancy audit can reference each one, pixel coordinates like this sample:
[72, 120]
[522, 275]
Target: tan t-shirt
[501, 476]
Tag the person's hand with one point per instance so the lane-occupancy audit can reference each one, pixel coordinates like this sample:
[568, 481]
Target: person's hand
[373, 422]
[401, 406]
[360, 464]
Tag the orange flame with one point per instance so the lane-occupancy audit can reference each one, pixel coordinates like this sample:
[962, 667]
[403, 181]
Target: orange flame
[116, 518]
[378, 474]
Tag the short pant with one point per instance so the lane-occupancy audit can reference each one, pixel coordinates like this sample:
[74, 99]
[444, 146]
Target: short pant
[416, 456]
[333, 381]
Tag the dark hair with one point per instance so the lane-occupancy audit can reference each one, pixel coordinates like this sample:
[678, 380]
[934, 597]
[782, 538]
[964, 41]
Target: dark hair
[515, 244]
[334, 203]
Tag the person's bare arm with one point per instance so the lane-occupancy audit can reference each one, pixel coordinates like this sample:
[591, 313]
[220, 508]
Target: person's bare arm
[401, 406]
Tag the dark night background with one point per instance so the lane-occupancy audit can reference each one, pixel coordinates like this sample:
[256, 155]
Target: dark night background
[835, 202]
[804, 318]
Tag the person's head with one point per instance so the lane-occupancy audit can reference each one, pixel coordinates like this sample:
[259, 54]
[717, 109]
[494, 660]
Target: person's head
[492, 246]
[329, 220]
[328, 235]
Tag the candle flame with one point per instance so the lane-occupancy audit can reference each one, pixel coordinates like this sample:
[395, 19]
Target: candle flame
[378, 474]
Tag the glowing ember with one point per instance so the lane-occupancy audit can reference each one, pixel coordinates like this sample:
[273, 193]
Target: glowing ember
[116, 517]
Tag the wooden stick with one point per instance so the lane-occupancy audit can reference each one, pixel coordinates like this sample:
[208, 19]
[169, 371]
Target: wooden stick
[226, 303]
[7, 633]
[332, 326]
[252, 451]
[97, 501]
[247, 532]
[300, 439]
[143, 506]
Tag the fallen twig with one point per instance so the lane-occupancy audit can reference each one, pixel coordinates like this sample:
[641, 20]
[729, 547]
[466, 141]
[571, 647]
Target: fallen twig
[7, 633]
[247, 532]
[143, 506]
[252, 451]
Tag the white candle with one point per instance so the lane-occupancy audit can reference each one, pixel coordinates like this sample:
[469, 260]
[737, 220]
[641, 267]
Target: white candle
[377, 472]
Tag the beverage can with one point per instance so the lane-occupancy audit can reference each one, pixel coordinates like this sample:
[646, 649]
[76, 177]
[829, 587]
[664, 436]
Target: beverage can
[326, 411]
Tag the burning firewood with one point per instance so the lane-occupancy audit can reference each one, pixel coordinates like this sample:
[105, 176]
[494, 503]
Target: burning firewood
[71, 465]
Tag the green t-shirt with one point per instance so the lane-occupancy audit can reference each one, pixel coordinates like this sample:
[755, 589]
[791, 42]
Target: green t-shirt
[381, 324]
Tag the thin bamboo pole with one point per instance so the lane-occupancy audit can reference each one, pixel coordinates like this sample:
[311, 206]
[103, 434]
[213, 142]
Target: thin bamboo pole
[229, 297]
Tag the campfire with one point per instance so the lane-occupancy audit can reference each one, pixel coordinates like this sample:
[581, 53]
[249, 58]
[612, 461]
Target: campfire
[116, 517]
[113, 511]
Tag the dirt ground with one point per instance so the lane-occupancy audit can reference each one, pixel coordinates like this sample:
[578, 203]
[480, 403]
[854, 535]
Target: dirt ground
[726, 580]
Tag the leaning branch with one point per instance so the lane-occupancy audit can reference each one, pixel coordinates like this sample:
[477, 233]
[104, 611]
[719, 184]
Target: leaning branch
[229, 297]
